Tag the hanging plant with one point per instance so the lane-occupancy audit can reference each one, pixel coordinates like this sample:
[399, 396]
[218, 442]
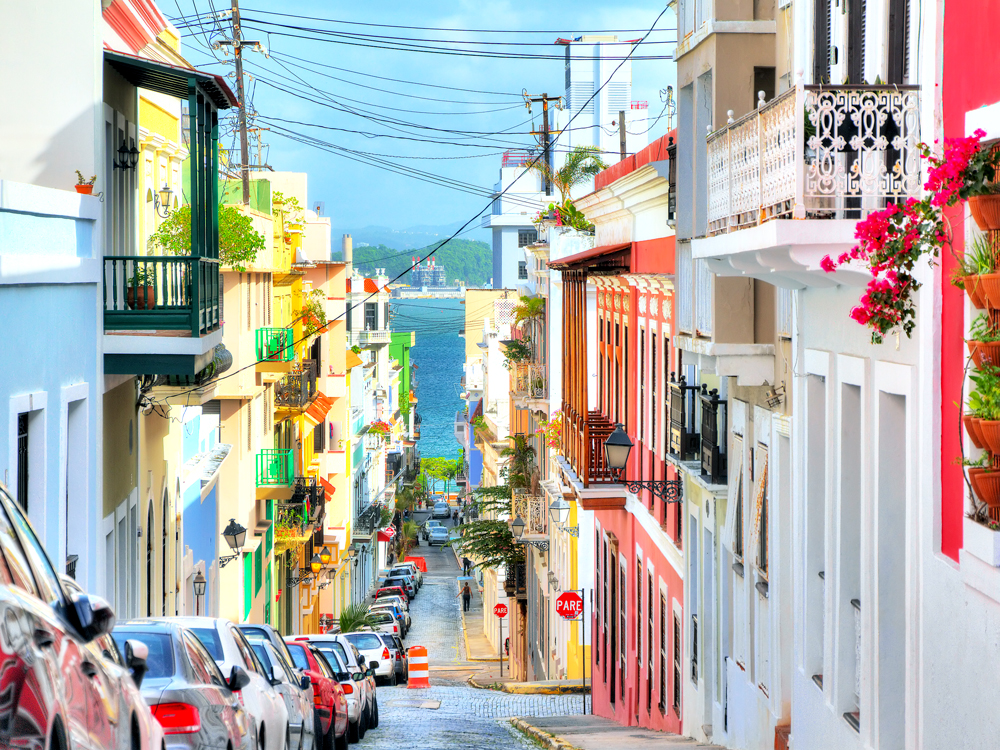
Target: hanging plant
[551, 429]
[891, 242]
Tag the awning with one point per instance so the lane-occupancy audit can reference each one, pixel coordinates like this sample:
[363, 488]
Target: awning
[593, 257]
[318, 409]
[172, 80]
[330, 489]
[353, 360]
[386, 534]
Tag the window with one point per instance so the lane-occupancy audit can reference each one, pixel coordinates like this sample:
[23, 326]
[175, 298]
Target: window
[738, 526]
[625, 377]
[694, 648]
[758, 528]
[258, 570]
[526, 237]
[652, 397]
[248, 298]
[623, 615]
[46, 580]
[642, 393]
[597, 593]
[663, 654]
[163, 555]
[160, 662]
[385, 323]
[649, 645]
[677, 662]
[22, 461]
[638, 609]
[371, 316]
[522, 269]
[299, 656]
[149, 560]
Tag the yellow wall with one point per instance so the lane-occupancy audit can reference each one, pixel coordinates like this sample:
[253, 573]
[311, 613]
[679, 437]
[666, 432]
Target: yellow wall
[119, 455]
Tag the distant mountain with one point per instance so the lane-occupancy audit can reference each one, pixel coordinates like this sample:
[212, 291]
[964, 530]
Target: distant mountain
[411, 238]
[469, 260]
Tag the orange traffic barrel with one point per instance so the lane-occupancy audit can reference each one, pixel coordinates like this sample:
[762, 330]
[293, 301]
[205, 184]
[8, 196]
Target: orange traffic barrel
[418, 667]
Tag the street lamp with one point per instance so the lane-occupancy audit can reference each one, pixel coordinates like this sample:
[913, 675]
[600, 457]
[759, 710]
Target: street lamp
[199, 591]
[161, 199]
[235, 535]
[127, 157]
[559, 511]
[325, 556]
[616, 451]
[316, 563]
[517, 528]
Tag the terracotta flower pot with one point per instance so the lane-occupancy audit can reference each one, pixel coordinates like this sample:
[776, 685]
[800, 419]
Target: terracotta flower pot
[974, 288]
[85, 189]
[984, 352]
[986, 486]
[989, 433]
[988, 287]
[146, 297]
[985, 210]
[975, 432]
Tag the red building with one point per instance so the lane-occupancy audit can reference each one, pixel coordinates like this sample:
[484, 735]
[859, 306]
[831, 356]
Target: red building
[618, 301]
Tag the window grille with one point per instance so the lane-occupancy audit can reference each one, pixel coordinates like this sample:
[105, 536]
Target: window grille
[22, 461]
[677, 663]
[522, 269]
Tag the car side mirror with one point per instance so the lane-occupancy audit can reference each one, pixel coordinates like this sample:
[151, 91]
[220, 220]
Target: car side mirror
[361, 660]
[94, 616]
[275, 676]
[305, 682]
[238, 679]
[136, 654]
[372, 665]
[370, 672]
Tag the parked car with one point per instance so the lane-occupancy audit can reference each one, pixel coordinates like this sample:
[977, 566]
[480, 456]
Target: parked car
[196, 706]
[296, 690]
[426, 528]
[438, 535]
[376, 655]
[398, 654]
[365, 710]
[392, 591]
[332, 695]
[441, 510]
[407, 575]
[402, 602]
[231, 651]
[54, 691]
[412, 567]
[408, 584]
[401, 614]
[385, 622]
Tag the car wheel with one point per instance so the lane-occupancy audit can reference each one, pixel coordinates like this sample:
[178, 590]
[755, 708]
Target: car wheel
[354, 730]
[374, 722]
[340, 743]
[363, 726]
[392, 680]
[260, 738]
[330, 737]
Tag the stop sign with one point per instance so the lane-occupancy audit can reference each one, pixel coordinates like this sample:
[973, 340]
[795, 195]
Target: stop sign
[500, 610]
[569, 605]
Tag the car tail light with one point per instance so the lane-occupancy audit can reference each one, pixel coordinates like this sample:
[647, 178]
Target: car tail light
[399, 656]
[177, 718]
[395, 628]
[317, 698]
[385, 653]
[348, 688]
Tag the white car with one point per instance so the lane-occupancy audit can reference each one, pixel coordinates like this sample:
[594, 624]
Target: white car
[375, 653]
[438, 535]
[441, 510]
[428, 525]
[230, 649]
[413, 569]
[393, 608]
[288, 683]
[384, 621]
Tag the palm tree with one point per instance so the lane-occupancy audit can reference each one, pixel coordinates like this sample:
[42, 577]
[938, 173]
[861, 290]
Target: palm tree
[354, 617]
[582, 164]
[530, 311]
[521, 467]
[409, 532]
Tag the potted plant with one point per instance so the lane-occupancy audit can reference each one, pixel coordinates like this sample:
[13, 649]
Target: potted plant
[975, 273]
[982, 418]
[84, 186]
[140, 293]
[983, 343]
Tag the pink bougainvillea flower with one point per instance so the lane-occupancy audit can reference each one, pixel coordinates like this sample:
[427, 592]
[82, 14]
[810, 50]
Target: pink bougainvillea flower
[827, 264]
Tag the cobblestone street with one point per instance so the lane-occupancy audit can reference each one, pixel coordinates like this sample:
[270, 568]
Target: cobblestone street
[452, 714]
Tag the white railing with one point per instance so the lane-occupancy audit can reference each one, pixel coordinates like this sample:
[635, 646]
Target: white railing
[529, 380]
[784, 313]
[533, 511]
[685, 288]
[815, 152]
[702, 299]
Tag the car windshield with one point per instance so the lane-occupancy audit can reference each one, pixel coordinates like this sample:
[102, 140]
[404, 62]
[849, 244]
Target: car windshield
[364, 641]
[252, 632]
[298, 654]
[160, 662]
[209, 638]
[381, 617]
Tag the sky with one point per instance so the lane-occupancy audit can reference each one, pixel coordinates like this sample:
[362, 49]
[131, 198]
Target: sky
[326, 80]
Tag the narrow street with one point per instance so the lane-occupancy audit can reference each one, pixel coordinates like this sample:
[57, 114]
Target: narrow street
[452, 714]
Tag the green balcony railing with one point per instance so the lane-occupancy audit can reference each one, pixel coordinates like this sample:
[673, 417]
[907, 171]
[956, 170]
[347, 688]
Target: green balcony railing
[275, 468]
[155, 292]
[275, 344]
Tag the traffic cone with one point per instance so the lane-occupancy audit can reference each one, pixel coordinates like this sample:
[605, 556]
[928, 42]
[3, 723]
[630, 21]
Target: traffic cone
[418, 668]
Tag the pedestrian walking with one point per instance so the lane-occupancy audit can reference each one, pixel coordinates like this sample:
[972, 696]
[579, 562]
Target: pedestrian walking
[466, 565]
[466, 594]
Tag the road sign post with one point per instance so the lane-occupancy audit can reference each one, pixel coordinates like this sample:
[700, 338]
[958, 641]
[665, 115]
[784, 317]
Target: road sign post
[500, 610]
[570, 606]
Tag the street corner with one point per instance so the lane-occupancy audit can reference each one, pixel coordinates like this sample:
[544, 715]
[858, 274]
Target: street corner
[545, 739]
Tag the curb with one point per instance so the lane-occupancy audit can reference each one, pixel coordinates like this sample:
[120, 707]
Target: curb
[550, 741]
[527, 688]
[465, 632]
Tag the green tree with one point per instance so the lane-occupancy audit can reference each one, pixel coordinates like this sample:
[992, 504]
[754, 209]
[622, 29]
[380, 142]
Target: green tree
[239, 242]
[354, 617]
[519, 470]
[487, 540]
[530, 315]
[582, 164]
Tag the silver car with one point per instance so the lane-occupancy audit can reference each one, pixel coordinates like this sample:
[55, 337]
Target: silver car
[425, 530]
[384, 621]
[375, 653]
[231, 651]
[438, 535]
[412, 567]
[195, 705]
[295, 689]
[441, 510]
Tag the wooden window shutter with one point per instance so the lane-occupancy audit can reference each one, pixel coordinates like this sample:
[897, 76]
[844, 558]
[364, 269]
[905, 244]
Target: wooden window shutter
[898, 64]
[760, 492]
[857, 12]
[823, 41]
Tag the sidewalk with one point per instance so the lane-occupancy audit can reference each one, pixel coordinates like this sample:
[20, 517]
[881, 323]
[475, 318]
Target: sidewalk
[595, 733]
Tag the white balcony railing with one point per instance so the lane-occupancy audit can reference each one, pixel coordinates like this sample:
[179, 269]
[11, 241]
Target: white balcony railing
[529, 380]
[368, 338]
[533, 510]
[815, 152]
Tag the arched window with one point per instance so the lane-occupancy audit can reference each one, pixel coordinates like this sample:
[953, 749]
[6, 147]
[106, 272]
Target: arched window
[149, 560]
[163, 552]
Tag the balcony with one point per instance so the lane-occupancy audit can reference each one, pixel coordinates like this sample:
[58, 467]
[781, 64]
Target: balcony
[533, 510]
[713, 432]
[516, 582]
[275, 474]
[529, 381]
[163, 313]
[374, 337]
[275, 348]
[683, 442]
[827, 154]
[298, 388]
[583, 447]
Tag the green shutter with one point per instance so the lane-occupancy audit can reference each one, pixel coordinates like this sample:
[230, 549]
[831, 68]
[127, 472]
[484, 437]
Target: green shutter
[258, 558]
[247, 586]
[267, 592]
[269, 534]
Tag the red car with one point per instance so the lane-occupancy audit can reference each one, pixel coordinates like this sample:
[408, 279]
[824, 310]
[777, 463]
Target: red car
[393, 591]
[328, 695]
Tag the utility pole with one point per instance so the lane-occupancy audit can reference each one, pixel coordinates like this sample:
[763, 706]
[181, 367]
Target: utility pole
[546, 135]
[244, 146]
[621, 129]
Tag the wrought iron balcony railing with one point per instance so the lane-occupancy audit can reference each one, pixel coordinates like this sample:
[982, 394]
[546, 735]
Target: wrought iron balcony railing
[529, 380]
[683, 441]
[275, 344]
[155, 292]
[815, 152]
[713, 432]
[275, 468]
[516, 582]
[533, 511]
[298, 388]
